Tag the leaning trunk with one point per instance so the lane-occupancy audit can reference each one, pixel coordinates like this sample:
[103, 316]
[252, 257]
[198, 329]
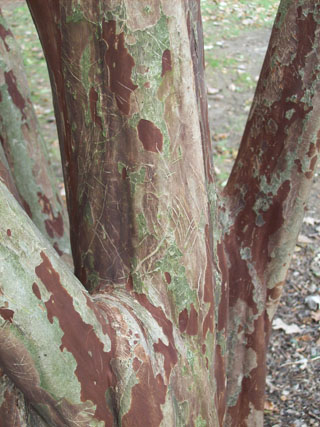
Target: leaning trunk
[266, 197]
[22, 149]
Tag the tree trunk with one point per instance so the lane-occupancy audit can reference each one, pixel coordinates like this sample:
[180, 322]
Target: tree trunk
[181, 283]
[23, 150]
[266, 197]
[26, 170]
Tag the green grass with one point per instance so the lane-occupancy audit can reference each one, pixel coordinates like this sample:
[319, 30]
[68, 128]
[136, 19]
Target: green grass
[244, 82]
[224, 62]
[225, 19]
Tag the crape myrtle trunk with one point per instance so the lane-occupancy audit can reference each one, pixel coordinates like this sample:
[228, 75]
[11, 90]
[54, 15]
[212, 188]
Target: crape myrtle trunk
[169, 319]
[24, 162]
[25, 170]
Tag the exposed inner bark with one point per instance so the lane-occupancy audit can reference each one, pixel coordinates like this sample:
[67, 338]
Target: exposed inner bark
[182, 283]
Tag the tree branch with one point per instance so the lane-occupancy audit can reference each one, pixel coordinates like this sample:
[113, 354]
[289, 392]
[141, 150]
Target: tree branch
[268, 188]
[24, 147]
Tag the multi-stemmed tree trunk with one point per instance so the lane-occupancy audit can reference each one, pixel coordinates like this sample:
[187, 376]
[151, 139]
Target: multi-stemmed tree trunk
[168, 320]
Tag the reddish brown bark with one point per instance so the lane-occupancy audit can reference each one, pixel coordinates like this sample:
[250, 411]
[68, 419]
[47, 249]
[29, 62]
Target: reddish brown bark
[268, 189]
[183, 288]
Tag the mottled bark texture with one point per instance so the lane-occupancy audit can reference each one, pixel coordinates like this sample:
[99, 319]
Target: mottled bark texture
[181, 285]
[24, 163]
[266, 196]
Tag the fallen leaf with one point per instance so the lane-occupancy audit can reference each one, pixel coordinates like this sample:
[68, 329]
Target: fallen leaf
[212, 90]
[304, 338]
[288, 329]
[315, 265]
[220, 136]
[269, 406]
[234, 154]
[304, 239]
[217, 97]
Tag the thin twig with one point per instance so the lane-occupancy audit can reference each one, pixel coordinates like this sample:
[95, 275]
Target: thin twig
[299, 362]
[314, 416]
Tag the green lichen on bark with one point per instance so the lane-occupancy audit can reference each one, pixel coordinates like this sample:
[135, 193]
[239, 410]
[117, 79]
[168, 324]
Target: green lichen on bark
[53, 368]
[76, 16]
[22, 164]
[183, 294]
[85, 66]
[282, 11]
[143, 230]
[147, 75]
[200, 422]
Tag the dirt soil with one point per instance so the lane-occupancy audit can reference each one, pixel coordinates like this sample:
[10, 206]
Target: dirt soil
[11, 4]
[293, 381]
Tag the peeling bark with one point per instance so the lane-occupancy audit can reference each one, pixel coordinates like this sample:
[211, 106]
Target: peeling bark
[102, 357]
[169, 321]
[32, 180]
[267, 194]
[14, 410]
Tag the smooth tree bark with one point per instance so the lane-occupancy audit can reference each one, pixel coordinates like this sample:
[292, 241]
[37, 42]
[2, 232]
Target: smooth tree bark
[25, 169]
[266, 197]
[22, 150]
[167, 317]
